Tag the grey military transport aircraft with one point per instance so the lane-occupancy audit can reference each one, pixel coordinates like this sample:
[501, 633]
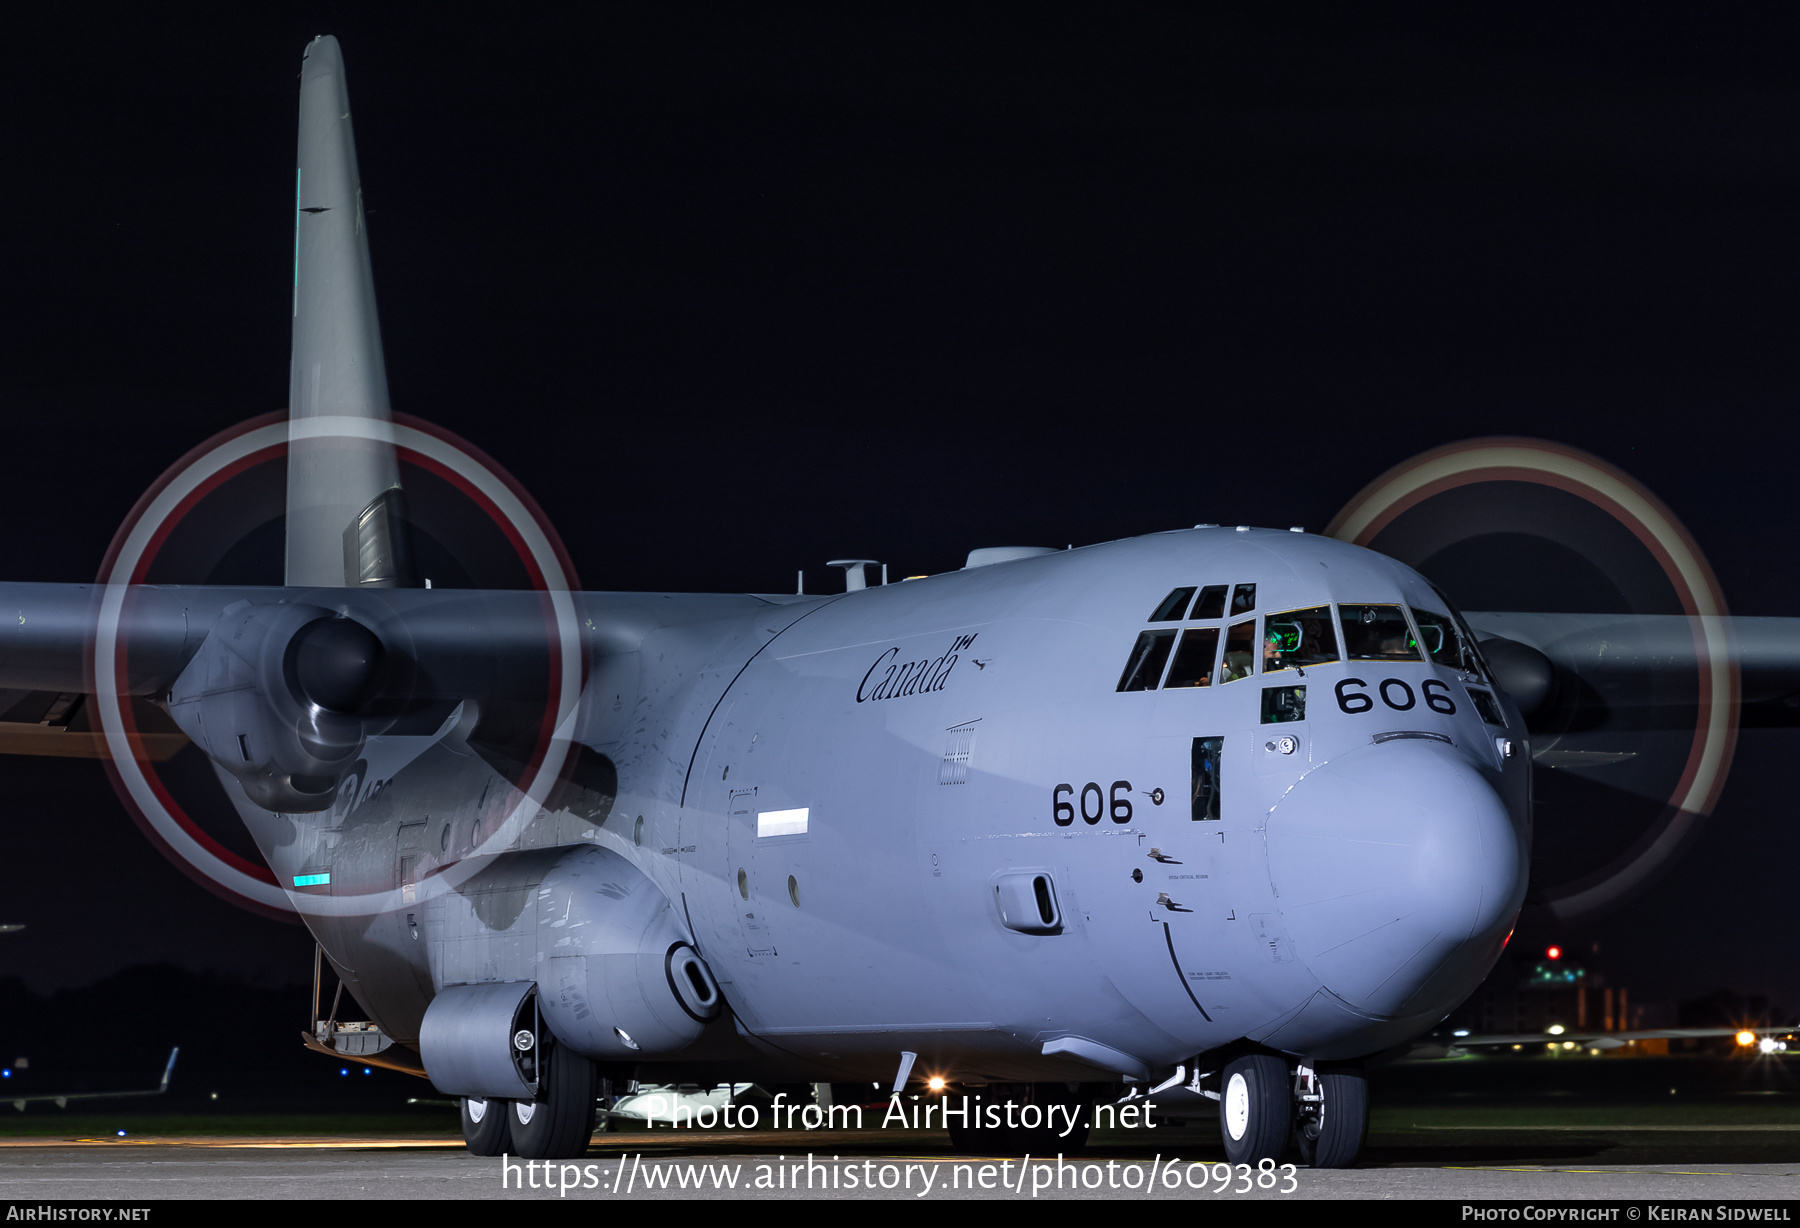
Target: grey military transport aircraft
[1209, 817]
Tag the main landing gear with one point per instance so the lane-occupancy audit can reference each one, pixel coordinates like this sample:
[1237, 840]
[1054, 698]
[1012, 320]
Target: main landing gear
[555, 1126]
[1264, 1106]
[484, 1126]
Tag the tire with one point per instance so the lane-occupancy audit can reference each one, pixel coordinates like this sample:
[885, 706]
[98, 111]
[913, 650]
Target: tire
[1343, 1125]
[485, 1126]
[557, 1125]
[1255, 1109]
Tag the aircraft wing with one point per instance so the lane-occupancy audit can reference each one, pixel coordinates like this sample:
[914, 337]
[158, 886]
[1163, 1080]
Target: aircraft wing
[62, 1099]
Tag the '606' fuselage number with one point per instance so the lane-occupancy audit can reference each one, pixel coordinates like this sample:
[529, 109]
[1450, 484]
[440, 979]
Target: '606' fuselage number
[1352, 697]
[1094, 803]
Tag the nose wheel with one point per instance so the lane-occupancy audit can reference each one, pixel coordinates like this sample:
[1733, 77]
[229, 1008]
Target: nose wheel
[1331, 1117]
[1255, 1108]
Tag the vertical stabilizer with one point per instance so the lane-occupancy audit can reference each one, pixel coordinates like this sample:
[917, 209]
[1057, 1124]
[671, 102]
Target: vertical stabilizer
[335, 482]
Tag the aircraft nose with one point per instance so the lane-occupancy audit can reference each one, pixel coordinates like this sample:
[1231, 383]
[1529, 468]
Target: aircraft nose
[1398, 873]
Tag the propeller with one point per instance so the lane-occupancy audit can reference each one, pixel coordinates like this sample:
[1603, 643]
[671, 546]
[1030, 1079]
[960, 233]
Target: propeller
[1597, 612]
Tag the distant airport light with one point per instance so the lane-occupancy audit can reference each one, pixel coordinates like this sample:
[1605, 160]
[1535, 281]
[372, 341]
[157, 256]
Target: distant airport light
[1460, 1032]
[1554, 953]
[345, 1071]
[936, 1083]
[1768, 1044]
[366, 1070]
[1746, 1037]
[1557, 1029]
[782, 822]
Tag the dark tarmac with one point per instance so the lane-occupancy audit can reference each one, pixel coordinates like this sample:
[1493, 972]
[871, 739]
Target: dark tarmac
[1633, 1129]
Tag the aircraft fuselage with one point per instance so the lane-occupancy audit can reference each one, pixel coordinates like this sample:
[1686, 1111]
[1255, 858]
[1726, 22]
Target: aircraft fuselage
[968, 816]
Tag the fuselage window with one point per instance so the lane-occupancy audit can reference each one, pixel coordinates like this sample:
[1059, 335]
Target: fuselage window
[1377, 633]
[1445, 642]
[1298, 639]
[1173, 606]
[1148, 656]
[1243, 600]
[1240, 652]
[1281, 704]
[1194, 659]
[1211, 603]
[1206, 799]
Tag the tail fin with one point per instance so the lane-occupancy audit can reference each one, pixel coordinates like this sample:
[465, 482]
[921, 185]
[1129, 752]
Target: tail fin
[345, 522]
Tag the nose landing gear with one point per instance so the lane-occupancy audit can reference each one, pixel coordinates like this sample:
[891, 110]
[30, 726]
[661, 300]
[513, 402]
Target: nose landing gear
[1255, 1111]
[1264, 1107]
[1331, 1117]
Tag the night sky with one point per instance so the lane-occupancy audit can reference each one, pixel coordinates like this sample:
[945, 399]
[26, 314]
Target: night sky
[736, 291]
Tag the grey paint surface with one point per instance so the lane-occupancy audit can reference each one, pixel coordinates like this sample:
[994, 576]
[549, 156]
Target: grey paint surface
[338, 368]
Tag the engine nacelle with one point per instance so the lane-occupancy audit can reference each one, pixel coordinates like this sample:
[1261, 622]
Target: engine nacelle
[271, 698]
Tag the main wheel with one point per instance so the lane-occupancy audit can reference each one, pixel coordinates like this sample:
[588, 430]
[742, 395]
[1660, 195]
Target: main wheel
[1255, 1109]
[556, 1125]
[484, 1125]
[1335, 1138]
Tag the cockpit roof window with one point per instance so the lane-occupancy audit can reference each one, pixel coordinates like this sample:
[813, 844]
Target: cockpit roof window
[1377, 633]
[1211, 603]
[1243, 599]
[1298, 638]
[1173, 606]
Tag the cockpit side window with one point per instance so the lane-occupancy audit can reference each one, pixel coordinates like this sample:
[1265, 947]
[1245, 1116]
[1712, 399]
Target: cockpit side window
[1173, 606]
[1298, 638]
[1211, 603]
[1470, 644]
[1148, 656]
[1377, 633]
[1194, 658]
[1445, 642]
[1243, 599]
[1240, 652]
